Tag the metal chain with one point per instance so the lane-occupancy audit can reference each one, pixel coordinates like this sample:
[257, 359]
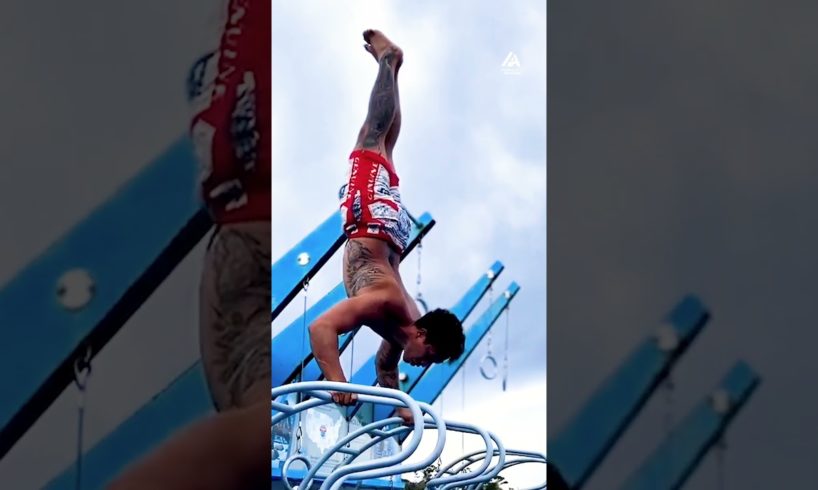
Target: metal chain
[463, 408]
[491, 302]
[305, 287]
[82, 373]
[505, 352]
[418, 294]
[721, 448]
[669, 387]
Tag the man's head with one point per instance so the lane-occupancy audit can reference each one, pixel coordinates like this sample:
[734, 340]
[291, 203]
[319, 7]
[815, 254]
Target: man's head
[437, 337]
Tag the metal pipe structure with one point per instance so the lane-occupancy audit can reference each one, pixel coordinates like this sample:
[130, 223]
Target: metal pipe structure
[525, 457]
[390, 465]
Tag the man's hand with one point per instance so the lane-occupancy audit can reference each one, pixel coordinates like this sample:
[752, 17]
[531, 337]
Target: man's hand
[344, 398]
[406, 415]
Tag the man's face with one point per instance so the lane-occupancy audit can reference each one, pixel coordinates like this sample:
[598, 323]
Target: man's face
[418, 353]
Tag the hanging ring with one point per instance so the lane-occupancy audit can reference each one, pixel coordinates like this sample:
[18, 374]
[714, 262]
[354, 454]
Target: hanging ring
[488, 367]
[286, 466]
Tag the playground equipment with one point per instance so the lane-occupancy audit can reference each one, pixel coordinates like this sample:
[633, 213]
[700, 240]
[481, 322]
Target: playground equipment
[78, 297]
[338, 461]
[580, 446]
[362, 473]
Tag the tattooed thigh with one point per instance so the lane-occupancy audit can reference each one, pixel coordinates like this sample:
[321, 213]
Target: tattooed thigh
[235, 317]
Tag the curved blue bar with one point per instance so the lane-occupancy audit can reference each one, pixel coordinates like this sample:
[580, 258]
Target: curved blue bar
[485, 475]
[366, 394]
[439, 480]
[436, 422]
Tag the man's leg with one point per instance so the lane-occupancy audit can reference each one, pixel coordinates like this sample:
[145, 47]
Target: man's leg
[384, 109]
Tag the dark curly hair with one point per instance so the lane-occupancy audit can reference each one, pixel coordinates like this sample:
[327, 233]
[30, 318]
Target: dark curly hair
[444, 332]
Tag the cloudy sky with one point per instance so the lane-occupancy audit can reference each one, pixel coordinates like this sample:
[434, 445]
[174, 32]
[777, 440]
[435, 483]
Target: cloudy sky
[471, 152]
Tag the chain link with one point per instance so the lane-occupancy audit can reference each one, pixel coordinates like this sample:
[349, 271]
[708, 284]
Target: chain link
[82, 373]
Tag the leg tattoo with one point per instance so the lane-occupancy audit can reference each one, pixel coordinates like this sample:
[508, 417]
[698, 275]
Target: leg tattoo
[382, 103]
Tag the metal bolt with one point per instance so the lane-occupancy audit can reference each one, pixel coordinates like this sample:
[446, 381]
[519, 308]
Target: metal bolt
[403, 377]
[75, 289]
[666, 338]
[490, 274]
[507, 294]
[720, 401]
[303, 258]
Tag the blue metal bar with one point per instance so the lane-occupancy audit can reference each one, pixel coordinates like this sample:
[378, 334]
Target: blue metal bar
[307, 481]
[366, 470]
[301, 262]
[683, 449]
[366, 394]
[437, 376]
[527, 457]
[287, 361]
[577, 449]
[462, 309]
[441, 481]
[184, 400]
[126, 247]
[296, 474]
[484, 476]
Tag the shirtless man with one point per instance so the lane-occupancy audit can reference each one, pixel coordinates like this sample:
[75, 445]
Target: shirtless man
[230, 92]
[377, 227]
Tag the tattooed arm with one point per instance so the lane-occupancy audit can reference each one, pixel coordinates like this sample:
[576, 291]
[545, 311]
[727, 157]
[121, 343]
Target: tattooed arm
[386, 366]
[344, 317]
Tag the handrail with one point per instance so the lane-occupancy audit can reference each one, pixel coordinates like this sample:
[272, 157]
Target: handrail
[486, 474]
[438, 480]
[525, 457]
[370, 470]
[391, 465]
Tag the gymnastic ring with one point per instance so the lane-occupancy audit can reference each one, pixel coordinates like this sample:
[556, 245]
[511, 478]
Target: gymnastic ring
[493, 362]
[286, 466]
[422, 303]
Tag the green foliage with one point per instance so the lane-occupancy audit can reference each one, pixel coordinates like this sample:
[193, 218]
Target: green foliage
[496, 483]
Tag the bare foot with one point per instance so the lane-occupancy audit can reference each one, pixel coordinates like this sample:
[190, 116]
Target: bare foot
[378, 45]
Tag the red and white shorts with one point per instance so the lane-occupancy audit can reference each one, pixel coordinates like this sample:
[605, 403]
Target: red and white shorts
[370, 201]
[229, 91]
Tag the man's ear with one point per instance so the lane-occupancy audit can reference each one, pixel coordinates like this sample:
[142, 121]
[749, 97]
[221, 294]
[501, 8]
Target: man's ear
[420, 332]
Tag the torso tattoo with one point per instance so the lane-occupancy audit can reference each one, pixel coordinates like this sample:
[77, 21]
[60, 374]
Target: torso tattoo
[361, 268]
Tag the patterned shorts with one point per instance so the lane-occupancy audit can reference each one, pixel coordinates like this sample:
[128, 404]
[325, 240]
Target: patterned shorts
[370, 201]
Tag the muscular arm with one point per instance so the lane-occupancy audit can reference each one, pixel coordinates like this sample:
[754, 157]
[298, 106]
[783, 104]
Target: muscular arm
[340, 319]
[386, 365]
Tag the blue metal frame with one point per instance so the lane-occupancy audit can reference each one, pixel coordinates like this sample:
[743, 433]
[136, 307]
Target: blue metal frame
[128, 246]
[462, 309]
[684, 448]
[302, 261]
[390, 465]
[184, 400]
[436, 377]
[577, 449]
[287, 360]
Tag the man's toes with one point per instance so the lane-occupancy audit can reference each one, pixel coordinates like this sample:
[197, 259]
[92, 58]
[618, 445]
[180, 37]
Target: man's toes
[368, 34]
